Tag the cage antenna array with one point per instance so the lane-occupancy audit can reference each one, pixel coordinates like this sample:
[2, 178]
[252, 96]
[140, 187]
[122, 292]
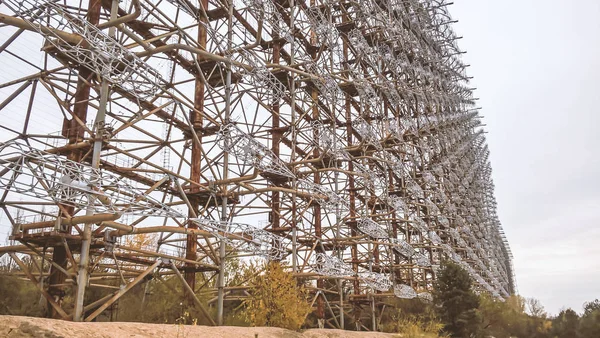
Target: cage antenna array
[340, 138]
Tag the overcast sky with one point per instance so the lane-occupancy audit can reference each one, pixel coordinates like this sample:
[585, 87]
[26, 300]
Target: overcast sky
[536, 66]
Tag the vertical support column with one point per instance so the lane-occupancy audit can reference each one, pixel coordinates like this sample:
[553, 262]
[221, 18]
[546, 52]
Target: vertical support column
[371, 295]
[374, 262]
[293, 146]
[317, 218]
[346, 110]
[317, 180]
[373, 314]
[276, 135]
[224, 210]
[317, 214]
[74, 133]
[83, 273]
[196, 120]
[340, 248]
[396, 272]
[352, 188]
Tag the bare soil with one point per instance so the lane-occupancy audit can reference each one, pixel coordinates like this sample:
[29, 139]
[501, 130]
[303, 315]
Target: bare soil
[25, 327]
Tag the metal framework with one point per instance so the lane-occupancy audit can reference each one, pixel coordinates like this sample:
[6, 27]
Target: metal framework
[337, 136]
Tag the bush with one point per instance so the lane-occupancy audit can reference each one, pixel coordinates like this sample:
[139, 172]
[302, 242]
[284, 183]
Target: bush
[20, 297]
[275, 298]
[417, 326]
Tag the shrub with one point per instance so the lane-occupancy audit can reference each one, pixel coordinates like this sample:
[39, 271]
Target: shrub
[275, 298]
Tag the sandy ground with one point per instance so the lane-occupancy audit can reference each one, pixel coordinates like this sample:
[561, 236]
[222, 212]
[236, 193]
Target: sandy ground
[21, 327]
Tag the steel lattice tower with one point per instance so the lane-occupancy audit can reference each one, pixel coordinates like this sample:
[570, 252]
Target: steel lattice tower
[339, 137]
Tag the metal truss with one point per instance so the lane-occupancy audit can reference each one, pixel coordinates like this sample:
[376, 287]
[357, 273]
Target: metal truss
[44, 176]
[86, 45]
[254, 240]
[339, 138]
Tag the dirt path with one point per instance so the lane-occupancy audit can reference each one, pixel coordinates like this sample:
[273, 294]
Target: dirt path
[21, 327]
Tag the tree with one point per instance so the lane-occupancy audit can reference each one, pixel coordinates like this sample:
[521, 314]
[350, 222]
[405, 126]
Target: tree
[565, 325]
[456, 303]
[589, 325]
[591, 306]
[141, 241]
[516, 303]
[502, 319]
[535, 308]
[507, 318]
[275, 298]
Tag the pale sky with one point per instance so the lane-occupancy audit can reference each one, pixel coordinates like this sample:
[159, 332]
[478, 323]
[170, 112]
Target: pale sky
[536, 66]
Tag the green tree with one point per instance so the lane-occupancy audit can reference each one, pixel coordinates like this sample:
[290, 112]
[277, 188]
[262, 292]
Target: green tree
[456, 302]
[565, 325]
[275, 298]
[503, 319]
[591, 306]
[589, 325]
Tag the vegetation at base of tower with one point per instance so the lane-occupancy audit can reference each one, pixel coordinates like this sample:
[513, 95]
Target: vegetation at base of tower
[455, 301]
[275, 298]
[414, 320]
[20, 298]
[278, 299]
[509, 318]
[466, 314]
